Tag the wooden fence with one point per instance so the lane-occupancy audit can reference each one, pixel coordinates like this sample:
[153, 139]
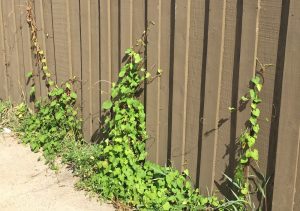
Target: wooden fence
[207, 50]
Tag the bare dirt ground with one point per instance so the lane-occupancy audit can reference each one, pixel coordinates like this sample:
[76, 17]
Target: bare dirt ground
[27, 184]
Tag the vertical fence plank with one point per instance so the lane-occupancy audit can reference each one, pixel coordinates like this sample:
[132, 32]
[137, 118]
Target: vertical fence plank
[165, 65]
[180, 77]
[138, 19]
[3, 72]
[152, 95]
[126, 26]
[95, 65]
[48, 35]
[289, 124]
[85, 20]
[39, 16]
[297, 185]
[61, 28]
[228, 91]
[212, 92]
[105, 51]
[138, 27]
[27, 63]
[12, 48]
[20, 23]
[267, 50]
[75, 46]
[114, 38]
[247, 64]
[197, 19]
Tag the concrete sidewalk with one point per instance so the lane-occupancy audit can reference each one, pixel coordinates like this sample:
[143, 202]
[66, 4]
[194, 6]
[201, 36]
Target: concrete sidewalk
[27, 184]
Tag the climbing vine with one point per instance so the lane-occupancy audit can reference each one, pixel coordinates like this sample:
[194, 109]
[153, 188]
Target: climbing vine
[247, 151]
[55, 116]
[38, 54]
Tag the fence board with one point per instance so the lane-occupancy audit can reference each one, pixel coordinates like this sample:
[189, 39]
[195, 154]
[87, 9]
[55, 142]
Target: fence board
[27, 63]
[75, 47]
[126, 26]
[61, 29]
[41, 34]
[212, 91]
[95, 65]
[86, 66]
[12, 49]
[193, 119]
[267, 53]
[114, 39]
[228, 91]
[105, 51]
[48, 35]
[289, 130]
[180, 77]
[165, 65]
[3, 71]
[153, 94]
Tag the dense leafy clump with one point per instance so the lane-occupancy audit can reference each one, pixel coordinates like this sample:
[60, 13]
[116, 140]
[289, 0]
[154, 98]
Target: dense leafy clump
[55, 118]
[116, 167]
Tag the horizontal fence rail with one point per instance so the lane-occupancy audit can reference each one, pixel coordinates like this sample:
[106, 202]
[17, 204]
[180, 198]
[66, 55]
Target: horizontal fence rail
[207, 50]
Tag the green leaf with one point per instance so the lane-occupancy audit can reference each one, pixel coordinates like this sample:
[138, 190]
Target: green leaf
[252, 94]
[231, 109]
[186, 172]
[59, 91]
[29, 74]
[252, 154]
[251, 141]
[147, 75]
[255, 80]
[259, 87]
[253, 105]
[51, 83]
[255, 154]
[128, 51]
[107, 104]
[255, 128]
[248, 153]
[166, 206]
[243, 98]
[256, 112]
[73, 95]
[243, 160]
[114, 93]
[68, 85]
[59, 115]
[257, 100]
[137, 58]
[253, 120]
[32, 91]
[53, 103]
[122, 72]
[244, 191]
